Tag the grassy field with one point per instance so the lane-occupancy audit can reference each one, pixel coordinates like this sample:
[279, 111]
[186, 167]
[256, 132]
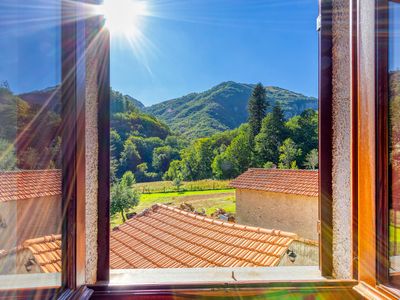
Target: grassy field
[167, 186]
[210, 200]
[394, 237]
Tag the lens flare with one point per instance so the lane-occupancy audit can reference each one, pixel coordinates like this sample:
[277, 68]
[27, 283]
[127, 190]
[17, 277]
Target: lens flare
[124, 17]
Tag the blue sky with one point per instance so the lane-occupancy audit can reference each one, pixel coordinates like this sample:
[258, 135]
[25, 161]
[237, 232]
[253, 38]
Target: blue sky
[394, 43]
[30, 44]
[199, 43]
[190, 46]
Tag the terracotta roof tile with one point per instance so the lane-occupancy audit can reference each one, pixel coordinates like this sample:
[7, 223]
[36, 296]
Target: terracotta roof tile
[167, 237]
[20, 185]
[45, 250]
[300, 182]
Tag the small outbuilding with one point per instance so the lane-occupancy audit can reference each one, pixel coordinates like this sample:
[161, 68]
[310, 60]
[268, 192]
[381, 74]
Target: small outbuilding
[275, 198]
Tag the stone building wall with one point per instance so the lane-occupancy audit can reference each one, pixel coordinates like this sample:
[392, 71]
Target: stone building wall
[286, 212]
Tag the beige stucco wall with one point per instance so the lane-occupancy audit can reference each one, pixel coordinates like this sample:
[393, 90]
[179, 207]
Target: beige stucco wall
[8, 230]
[342, 208]
[30, 218]
[93, 69]
[287, 212]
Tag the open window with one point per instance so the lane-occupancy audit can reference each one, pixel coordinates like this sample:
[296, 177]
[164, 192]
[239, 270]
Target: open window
[182, 159]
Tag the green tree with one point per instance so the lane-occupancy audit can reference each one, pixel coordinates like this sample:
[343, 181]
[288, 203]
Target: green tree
[141, 172]
[225, 166]
[123, 198]
[130, 157]
[29, 159]
[177, 182]
[116, 144]
[162, 157]
[174, 170]
[146, 146]
[304, 132]
[290, 153]
[257, 108]
[273, 132]
[312, 159]
[237, 157]
[269, 165]
[8, 161]
[128, 179]
[197, 159]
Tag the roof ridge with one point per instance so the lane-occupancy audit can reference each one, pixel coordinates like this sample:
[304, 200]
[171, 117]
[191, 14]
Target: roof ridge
[43, 239]
[283, 170]
[29, 171]
[284, 181]
[229, 224]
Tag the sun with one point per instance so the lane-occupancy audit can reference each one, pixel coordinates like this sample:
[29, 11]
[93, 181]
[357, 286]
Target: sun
[124, 17]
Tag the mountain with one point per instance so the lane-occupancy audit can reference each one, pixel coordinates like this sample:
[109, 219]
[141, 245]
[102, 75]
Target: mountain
[117, 97]
[51, 97]
[222, 107]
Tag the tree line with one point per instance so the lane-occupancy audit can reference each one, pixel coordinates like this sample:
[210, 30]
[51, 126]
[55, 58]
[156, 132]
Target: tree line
[268, 140]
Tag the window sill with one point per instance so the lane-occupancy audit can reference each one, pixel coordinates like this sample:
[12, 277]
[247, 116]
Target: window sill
[30, 281]
[214, 275]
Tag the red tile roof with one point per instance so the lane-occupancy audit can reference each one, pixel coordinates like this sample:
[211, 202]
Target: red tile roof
[167, 237]
[300, 182]
[45, 250]
[20, 185]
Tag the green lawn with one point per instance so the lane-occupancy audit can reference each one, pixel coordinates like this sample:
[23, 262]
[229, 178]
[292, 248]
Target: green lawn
[209, 200]
[167, 186]
[394, 235]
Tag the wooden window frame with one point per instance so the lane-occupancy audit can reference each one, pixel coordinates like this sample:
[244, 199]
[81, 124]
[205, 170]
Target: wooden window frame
[382, 141]
[325, 174]
[71, 149]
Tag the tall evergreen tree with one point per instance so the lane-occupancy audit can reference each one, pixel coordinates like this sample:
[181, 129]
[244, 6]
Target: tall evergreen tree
[257, 108]
[272, 134]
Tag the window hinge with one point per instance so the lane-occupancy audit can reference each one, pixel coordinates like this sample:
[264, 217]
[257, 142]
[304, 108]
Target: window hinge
[318, 23]
[319, 227]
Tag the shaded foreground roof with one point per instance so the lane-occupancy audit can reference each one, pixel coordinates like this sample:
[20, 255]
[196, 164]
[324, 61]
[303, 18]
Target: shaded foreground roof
[20, 185]
[299, 182]
[167, 237]
[45, 250]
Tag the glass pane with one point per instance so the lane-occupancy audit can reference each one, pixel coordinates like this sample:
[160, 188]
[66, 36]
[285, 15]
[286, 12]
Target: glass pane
[200, 150]
[394, 130]
[30, 164]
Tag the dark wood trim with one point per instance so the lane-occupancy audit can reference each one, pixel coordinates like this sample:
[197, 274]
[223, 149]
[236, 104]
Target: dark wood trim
[39, 293]
[103, 237]
[354, 134]
[83, 293]
[325, 137]
[249, 290]
[69, 146]
[382, 144]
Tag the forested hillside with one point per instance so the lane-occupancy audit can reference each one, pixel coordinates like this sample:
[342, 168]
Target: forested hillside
[274, 142]
[285, 136]
[223, 107]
